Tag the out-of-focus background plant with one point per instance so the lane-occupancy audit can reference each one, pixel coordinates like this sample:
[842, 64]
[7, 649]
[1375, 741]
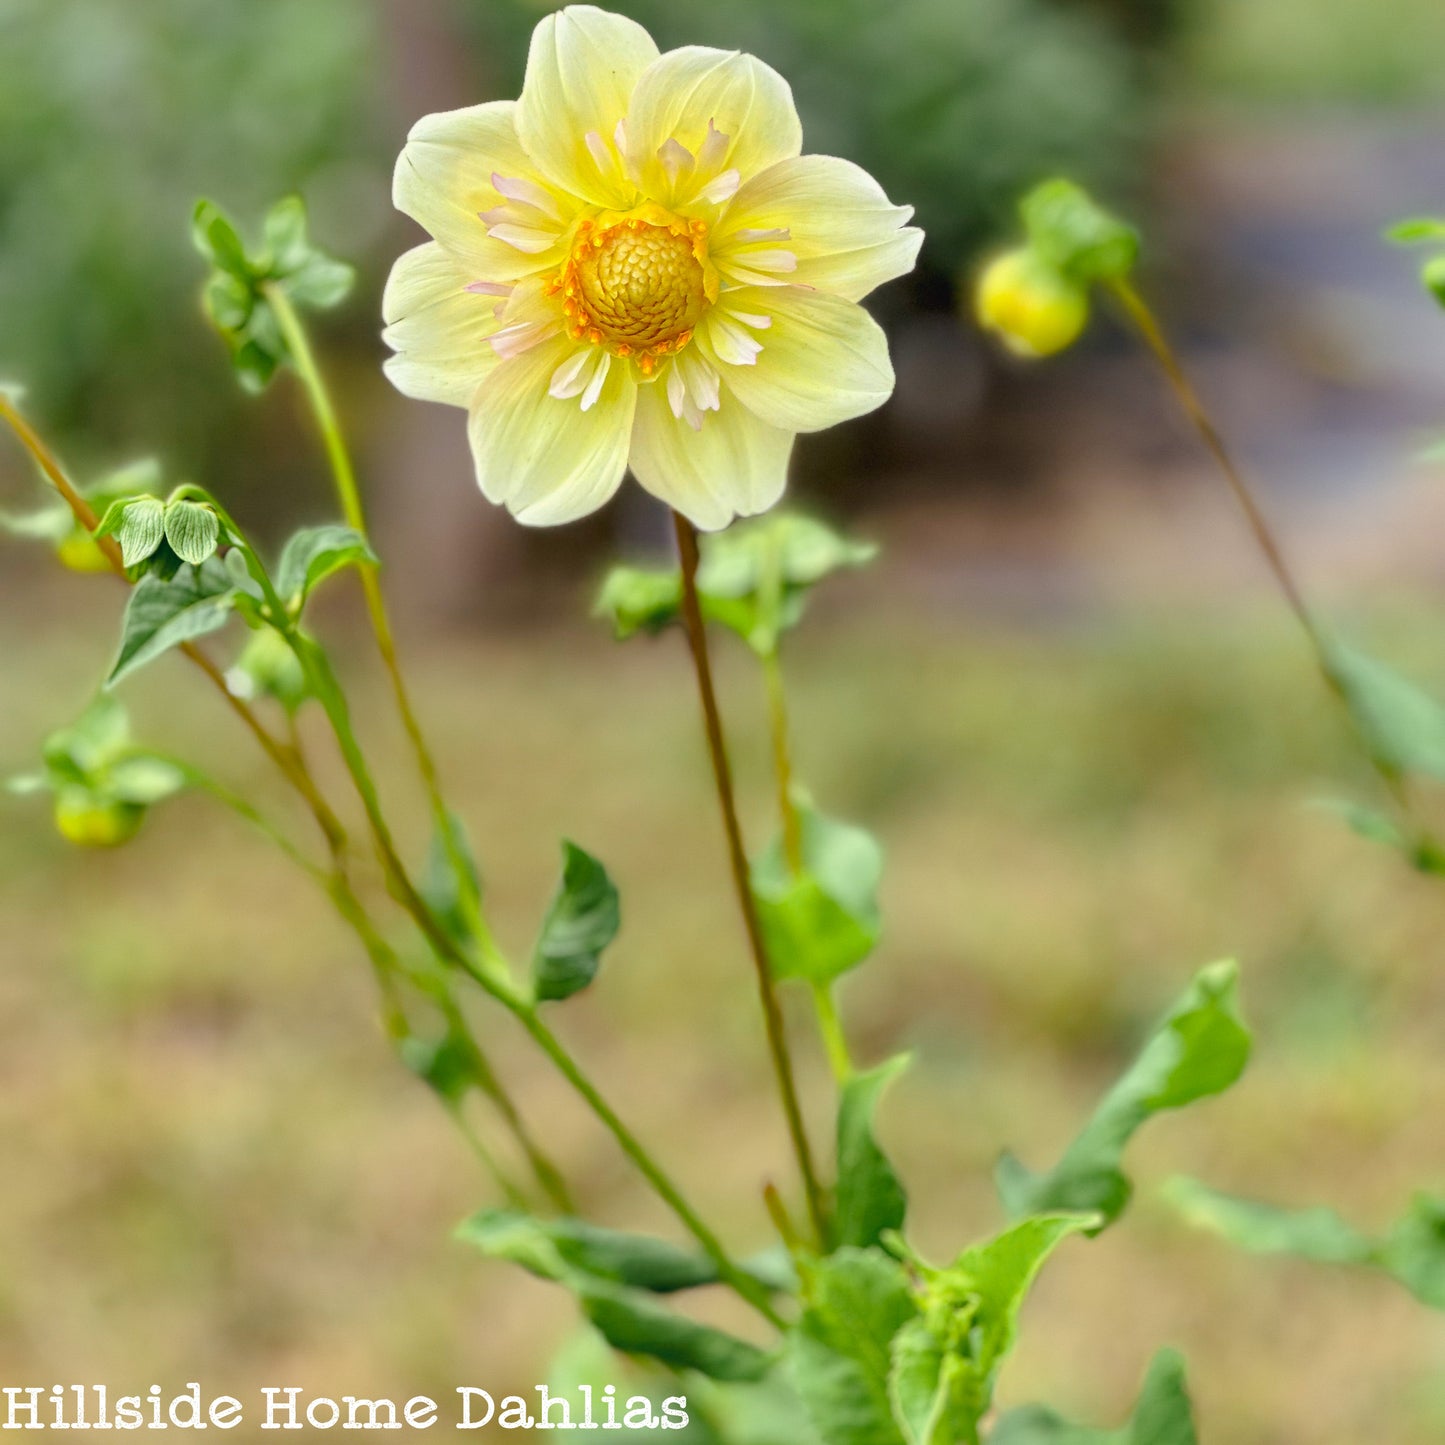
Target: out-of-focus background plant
[1067, 700]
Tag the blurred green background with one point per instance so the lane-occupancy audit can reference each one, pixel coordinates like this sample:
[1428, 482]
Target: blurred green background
[1065, 699]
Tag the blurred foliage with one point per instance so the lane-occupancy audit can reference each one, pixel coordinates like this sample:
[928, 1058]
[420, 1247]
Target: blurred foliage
[1293, 51]
[114, 116]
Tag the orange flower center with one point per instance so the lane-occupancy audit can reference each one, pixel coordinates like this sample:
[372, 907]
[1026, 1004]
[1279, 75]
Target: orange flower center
[637, 282]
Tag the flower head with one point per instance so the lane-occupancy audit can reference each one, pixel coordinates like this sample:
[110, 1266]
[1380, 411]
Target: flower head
[633, 265]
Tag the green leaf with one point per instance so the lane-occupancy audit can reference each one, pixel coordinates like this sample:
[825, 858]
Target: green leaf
[946, 1364]
[1403, 728]
[455, 901]
[49, 524]
[1432, 277]
[138, 524]
[316, 553]
[1412, 1250]
[580, 922]
[630, 1320]
[163, 614]
[98, 737]
[637, 599]
[871, 1201]
[450, 1065]
[1420, 228]
[637, 1325]
[819, 924]
[1199, 1049]
[144, 779]
[1162, 1416]
[937, 1396]
[235, 294]
[1076, 235]
[217, 240]
[856, 1302]
[1315, 1234]
[193, 530]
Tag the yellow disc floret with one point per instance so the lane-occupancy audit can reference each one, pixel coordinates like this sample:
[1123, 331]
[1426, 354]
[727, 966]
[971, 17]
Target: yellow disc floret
[637, 282]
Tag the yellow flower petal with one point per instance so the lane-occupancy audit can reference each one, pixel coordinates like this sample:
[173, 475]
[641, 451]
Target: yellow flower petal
[544, 458]
[846, 234]
[726, 110]
[581, 69]
[440, 330]
[733, 465]
[444, 181]
[822, 360]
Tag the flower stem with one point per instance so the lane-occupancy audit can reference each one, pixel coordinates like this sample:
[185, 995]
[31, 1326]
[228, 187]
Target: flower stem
[1147, 324]
[738, 860]
[792, 823]
[750, 1289]
[488, 973]
[825, 1007]
[835, 1041]
[344, 475]
[292, 765]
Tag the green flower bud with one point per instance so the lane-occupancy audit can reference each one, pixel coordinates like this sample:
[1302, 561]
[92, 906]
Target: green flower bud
[268, 668]
[1029, 305]
[91, 822]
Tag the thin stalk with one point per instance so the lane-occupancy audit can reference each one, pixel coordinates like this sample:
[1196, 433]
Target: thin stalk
[825, 1007]
[494, 977]
[405, 892]
[792, 823]
[750, 1289]
[292, 765]
[1144, 321]
[830, 1026]
[738, 861]
[343, 474]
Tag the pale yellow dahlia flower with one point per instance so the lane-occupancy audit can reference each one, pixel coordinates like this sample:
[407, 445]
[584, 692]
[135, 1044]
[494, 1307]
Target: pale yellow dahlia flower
[634, 266]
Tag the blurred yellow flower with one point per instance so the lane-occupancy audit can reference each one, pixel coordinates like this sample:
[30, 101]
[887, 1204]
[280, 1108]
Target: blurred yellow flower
[634, 265]
[1033, 308]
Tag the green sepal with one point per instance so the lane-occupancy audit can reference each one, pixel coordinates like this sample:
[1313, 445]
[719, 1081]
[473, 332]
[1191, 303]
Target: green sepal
[1199, 1049]
[871, 1201]
[753, 579]
[267, 667]
[1075, 235]
[138, 524]
[96, 763]
[581, 920]
[639, 599]
[820, 923]
[192, 529]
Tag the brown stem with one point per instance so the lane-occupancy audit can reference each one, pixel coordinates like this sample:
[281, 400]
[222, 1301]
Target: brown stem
[738, 860]
[1142, 317]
